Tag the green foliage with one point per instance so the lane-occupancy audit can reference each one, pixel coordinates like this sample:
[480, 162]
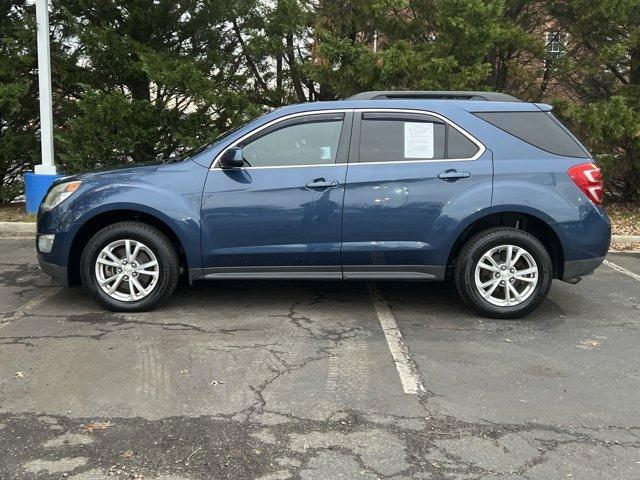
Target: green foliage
[423, 45]
[148, 80]
[611, 127]
[18, 109]
[140, 80]
[605, 59]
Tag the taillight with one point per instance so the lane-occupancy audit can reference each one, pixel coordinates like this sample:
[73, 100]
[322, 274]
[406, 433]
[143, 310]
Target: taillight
[588, 179]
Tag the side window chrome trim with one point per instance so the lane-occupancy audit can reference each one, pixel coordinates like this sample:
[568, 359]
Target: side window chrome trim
[214, 165]
[475, 141]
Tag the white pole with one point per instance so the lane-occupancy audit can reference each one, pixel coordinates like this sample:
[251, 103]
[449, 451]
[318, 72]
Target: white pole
[47, 166]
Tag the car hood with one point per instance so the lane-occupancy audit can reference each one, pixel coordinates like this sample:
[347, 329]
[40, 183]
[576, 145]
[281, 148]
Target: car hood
[116, 173]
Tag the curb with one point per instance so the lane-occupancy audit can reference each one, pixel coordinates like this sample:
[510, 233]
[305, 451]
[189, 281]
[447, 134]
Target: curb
[17, 229]
[28, 229]
[625, 239]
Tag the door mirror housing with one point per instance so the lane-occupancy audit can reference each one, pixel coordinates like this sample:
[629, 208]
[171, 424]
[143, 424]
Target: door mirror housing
[232, 158]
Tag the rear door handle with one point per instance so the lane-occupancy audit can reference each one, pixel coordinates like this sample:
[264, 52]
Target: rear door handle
[321, 184]
[452, 175]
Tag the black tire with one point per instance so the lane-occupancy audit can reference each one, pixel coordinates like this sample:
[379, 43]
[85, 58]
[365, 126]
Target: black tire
[481, 243]
[156, 241]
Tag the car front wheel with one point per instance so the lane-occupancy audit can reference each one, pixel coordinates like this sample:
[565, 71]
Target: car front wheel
[129, 267]
[503, 273]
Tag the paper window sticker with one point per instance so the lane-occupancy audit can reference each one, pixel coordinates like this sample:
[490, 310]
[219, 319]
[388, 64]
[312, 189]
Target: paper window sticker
[325, 153]
[418, 140]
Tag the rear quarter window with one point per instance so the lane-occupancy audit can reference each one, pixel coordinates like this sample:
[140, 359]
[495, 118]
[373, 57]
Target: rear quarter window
[540, 129]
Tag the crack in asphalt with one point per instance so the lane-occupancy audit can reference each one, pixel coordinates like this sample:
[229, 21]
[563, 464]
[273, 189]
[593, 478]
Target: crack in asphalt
[230, 445]
[25, 276]
[114, 321]
[163, 446]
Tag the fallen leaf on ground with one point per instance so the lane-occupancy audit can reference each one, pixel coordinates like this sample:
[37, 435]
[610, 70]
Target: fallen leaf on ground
[20, 374]
[127, 454]
[625, 218]
[90, 427]
[625, 247]
[591, 343]
[184, 371]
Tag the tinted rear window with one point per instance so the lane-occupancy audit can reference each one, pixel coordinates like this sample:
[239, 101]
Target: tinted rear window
[460, 146]
[400, 137]
[384, 140]
[539, 129]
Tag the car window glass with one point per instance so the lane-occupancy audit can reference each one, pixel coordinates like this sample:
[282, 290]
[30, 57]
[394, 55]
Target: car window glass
[539, 129]
[304, 143]
[394, 140]
[459, 146]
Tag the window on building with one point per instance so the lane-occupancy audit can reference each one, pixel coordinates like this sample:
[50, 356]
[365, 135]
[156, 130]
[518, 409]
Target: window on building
[556, 43]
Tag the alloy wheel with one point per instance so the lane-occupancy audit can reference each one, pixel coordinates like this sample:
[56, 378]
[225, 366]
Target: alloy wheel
[127, 270]
[506, 275]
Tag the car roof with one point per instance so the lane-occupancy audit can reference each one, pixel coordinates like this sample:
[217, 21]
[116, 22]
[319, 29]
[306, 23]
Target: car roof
[434, 95]
[414, 104]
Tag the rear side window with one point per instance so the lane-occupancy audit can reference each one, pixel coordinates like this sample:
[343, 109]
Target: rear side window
[540, 129]
[401, 138]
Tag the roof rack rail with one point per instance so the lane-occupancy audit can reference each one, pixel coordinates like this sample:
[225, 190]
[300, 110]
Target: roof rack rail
[433, 95]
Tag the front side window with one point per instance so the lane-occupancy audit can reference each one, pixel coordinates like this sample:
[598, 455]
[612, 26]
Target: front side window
[307, 141]
[388, 138]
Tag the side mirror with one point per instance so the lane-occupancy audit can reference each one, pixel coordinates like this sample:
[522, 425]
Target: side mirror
[232, 158]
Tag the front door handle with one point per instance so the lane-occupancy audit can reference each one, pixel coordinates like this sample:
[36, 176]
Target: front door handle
[321, 184]
[452, 175]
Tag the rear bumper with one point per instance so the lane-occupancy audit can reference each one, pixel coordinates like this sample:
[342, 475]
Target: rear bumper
[580, 268]
[57, 272]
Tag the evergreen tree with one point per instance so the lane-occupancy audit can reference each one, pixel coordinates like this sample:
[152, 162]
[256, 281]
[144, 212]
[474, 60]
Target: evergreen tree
[603, 74]
[155, 79]
[140, 80]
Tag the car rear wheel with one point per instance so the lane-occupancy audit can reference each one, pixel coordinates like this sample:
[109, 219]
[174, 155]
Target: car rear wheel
[129, 267]
[503, 273]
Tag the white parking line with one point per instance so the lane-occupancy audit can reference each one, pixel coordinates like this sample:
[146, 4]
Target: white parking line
[407, 370]
[622, 270]
[34, 302]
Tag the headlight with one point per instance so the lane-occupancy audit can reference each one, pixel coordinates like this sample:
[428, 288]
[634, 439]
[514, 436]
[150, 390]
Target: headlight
[59, 194]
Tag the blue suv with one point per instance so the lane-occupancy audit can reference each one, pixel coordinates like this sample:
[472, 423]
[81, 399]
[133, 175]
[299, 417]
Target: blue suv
[479, 187]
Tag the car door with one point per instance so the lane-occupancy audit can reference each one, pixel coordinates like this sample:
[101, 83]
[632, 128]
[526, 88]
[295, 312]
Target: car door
[412, 178]
[280, 215]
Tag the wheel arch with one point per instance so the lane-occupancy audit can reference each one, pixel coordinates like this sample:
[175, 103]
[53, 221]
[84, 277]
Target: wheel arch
[528, 222]
[103, 219]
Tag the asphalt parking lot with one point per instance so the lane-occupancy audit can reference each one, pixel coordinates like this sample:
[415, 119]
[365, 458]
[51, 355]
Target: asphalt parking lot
[309, 380]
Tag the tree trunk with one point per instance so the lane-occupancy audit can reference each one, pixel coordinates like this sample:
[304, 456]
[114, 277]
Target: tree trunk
[293, 68]
[140, 87]
[279, 77]
[634, 65]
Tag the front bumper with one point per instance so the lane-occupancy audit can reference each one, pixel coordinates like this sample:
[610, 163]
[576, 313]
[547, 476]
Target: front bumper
[55, 263]
[59, 273]
[580, 268]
